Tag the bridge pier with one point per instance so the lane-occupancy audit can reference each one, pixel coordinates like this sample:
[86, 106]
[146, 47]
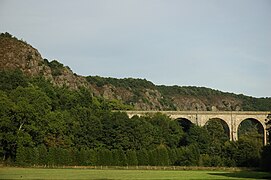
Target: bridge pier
[234, 135]
[232, 118]
[265, 136]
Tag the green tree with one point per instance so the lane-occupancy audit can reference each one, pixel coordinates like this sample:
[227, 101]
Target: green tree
[248, 153]
[188, 156]
[10, 80]
[162, 156]
[172, 156]
[199, 136]
[52, 156]
[21, 156]
[122, 158]
[216, 130]
[143, 133]
[57, 129]
[105, 157]
[89, 128]
[143, 157]
[31, 106]
[115, 157]
[42, 154]
[251, 129]
[266, 158]
[218, 138]
[8, 135]
[153, 161]
[131, 158]
[91, 157]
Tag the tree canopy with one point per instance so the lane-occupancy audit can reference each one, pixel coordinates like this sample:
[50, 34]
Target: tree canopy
[48, 125]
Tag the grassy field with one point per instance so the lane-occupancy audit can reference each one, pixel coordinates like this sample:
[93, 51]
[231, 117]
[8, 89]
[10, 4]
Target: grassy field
[39, 173]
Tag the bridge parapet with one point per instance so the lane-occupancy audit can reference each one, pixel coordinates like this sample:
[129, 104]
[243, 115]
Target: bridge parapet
[232, 118]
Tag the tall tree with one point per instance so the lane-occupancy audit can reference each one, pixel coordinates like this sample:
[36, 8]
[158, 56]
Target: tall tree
[131, 158]
[200, 137]
[8, 131]
[143, 157]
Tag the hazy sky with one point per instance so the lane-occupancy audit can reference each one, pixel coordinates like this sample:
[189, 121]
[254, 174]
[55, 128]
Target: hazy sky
[221, 44]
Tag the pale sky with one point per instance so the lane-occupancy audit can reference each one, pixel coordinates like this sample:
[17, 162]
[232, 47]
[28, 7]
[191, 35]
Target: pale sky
[220, 44]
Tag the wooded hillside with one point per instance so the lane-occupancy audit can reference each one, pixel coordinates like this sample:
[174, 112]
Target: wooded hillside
[138, 94]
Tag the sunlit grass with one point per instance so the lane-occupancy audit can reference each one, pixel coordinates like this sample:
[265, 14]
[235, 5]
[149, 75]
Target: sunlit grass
[40, 173]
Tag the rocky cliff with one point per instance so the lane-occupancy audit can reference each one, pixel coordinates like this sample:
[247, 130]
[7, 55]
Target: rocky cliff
[17, 54]
[140, 93]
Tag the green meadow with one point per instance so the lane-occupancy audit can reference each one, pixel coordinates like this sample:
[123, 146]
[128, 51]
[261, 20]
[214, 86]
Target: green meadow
[40, 173]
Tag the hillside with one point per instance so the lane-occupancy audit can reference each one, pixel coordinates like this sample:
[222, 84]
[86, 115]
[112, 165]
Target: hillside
[139, 93]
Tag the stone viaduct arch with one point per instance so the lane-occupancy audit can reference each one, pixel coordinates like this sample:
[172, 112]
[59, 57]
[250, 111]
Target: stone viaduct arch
[232, 118]
[223, 123]
[260, 127]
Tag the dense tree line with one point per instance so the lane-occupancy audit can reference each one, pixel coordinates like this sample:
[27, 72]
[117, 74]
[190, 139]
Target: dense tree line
[41, 124]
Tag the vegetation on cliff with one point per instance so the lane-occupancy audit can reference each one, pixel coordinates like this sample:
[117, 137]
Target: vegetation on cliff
[171, 97]
[50, 116]
[139, 94]
[48, 125]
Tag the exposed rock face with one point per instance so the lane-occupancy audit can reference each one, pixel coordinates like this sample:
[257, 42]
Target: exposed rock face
[16, 54]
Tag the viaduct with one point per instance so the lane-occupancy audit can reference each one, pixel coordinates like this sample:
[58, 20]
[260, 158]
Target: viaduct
[232, 119]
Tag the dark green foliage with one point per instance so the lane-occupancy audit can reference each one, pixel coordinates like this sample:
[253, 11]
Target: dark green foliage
[125, 83]
[7, 35]
[216, 130]
[153, 157]
[187, 90]
[143, 157]
[21, 156]
[255, 104]
[56, 67]
[10, 80]
[266, 153]
[172, 153]
[266, 158]
[162, 156]
[248, 153]
[251, 129]
[172, 132]
[122, 157]
[42, 154]
[26, 156]
[104, 157]
[218, 137]
[188, 156]
[137, 86]
[248, 103]
[45, 125]
[199, 136]
[131, 158]
[8, 131]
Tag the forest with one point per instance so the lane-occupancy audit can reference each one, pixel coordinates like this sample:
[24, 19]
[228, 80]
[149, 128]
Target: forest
[42, 124]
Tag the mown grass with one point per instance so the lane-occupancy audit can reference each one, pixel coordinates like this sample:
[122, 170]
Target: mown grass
[42, 173]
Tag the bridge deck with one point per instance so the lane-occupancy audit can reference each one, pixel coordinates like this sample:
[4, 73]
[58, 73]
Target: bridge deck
[202, 112]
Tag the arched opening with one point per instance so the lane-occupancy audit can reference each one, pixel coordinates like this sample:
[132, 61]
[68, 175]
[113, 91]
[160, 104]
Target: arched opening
[251, 129]
[185, 124]
[218, 129]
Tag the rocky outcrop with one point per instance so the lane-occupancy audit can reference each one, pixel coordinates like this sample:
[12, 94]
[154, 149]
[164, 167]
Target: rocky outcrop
[17, 54]
[141, 94]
